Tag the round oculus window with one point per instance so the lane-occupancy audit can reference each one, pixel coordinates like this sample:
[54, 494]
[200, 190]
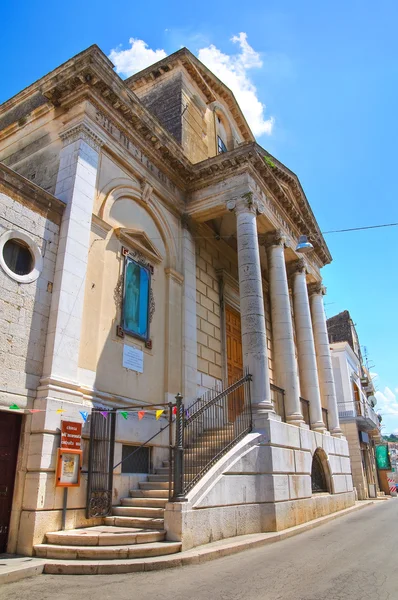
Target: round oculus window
[20, 256]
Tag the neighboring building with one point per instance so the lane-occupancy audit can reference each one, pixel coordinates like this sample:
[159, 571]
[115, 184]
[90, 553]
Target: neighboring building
[176, 271]
[356, 401]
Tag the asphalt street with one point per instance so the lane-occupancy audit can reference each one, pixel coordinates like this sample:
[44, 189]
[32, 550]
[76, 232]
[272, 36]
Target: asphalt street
[351, 558]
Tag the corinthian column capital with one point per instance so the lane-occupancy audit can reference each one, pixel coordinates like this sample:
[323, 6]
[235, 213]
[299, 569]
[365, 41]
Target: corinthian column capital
[298, 266]
[274, 238]
[247, 203]
[316, 288]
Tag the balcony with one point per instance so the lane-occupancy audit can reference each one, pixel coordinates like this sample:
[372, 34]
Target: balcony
[363, 412]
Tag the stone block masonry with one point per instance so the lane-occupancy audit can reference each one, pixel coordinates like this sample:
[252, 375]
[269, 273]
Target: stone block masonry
[24, 308]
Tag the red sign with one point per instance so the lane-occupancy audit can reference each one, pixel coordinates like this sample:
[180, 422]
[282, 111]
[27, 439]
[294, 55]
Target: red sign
[71, 435]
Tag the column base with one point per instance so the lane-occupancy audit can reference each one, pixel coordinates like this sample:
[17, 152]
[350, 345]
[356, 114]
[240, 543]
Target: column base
[337, 432]
[295, 419]
[319, 427]
[264, 411]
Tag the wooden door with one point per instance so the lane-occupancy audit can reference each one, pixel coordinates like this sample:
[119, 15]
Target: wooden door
[10, 425]
[234, 360]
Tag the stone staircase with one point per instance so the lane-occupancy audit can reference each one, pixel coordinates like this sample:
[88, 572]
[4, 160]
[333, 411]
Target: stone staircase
[133, 538]
[134, 531]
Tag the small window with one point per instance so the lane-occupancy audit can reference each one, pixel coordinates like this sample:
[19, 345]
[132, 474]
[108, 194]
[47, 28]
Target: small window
[18, 257]
[136, 459]
[220, 145]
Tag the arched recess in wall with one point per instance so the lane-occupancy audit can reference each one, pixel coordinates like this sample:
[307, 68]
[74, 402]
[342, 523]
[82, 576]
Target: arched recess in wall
[118, 198]
[321, 480]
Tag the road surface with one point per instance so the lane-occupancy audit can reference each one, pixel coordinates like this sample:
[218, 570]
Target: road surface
[351, 558]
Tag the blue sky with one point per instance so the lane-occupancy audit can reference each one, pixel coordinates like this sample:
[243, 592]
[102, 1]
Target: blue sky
[327, 73]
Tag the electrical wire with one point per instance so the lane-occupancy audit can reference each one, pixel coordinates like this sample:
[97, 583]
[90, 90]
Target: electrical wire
[360, 228]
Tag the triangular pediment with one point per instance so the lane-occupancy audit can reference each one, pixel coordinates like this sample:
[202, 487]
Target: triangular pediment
[139, 240]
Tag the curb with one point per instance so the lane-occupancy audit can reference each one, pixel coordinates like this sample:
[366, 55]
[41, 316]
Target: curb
[195, 556]
[17, 573]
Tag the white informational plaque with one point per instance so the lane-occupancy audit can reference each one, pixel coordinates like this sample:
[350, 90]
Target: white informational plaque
[133, 359]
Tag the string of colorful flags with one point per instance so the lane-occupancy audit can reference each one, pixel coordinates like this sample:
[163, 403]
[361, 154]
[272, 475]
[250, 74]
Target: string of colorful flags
[84, 413]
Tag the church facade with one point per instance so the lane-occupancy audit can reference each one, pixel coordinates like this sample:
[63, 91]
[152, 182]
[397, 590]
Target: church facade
[165, 262]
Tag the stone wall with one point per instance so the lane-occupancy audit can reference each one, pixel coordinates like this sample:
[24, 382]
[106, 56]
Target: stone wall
[24, 307]
[350, 431]
[263, 484]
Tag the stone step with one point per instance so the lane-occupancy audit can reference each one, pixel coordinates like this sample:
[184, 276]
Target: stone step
[138, 511]
[104, 535]
[166, 464]
[153, 485]
[136, 522]
[149, 493]
[107, 552]
[158, 477]
[162, 471]
[150, 502]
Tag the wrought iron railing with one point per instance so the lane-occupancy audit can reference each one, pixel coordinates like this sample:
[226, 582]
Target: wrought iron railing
[278, 399]
[305, 410]
[325, 418]
[207, 430]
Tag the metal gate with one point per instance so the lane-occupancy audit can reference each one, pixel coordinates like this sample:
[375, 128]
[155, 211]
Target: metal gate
[100, 464]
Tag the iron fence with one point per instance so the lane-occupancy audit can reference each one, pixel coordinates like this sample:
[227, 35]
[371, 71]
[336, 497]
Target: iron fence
[207, 431]
[278, 399]
[100, 464]
[325, 417]
[305, 410]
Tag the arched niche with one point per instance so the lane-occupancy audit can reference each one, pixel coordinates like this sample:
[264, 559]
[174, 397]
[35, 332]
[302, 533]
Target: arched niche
[123, 206]
[321, 480]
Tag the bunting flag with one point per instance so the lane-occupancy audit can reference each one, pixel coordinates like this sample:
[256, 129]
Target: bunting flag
[174, 410]
[159, 414]
[60, 410]
[104, 413]
[141, 414]
[124, 414]
[36, 410]
[14, 407]
[84, 415]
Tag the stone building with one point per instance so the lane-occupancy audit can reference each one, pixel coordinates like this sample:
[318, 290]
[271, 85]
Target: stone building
[176, 271]
[356, 402]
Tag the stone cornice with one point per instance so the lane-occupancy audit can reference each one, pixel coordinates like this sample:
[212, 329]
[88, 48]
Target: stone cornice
[82, 131]
[18, 187]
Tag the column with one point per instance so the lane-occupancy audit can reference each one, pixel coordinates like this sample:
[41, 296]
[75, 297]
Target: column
[76, 185]
[282, 328]
[254, 339]
[323, 356]
[309, 383]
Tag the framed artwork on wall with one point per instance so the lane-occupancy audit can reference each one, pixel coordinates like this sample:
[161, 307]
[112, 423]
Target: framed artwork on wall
[136, 298]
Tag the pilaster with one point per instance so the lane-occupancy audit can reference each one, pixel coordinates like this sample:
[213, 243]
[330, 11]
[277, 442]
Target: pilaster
[76, 184]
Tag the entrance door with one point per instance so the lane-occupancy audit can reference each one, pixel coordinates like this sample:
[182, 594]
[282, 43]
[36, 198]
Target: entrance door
[10, 426]
[234, 361]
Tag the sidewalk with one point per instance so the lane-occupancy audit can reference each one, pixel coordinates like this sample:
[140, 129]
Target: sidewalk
[14, 568]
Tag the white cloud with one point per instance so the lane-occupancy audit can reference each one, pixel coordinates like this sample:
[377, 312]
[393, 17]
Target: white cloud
[233, 71]
[387, 402]
[136, 58]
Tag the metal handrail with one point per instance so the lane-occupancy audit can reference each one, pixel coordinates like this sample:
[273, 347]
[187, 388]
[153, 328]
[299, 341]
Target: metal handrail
[204, 436]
